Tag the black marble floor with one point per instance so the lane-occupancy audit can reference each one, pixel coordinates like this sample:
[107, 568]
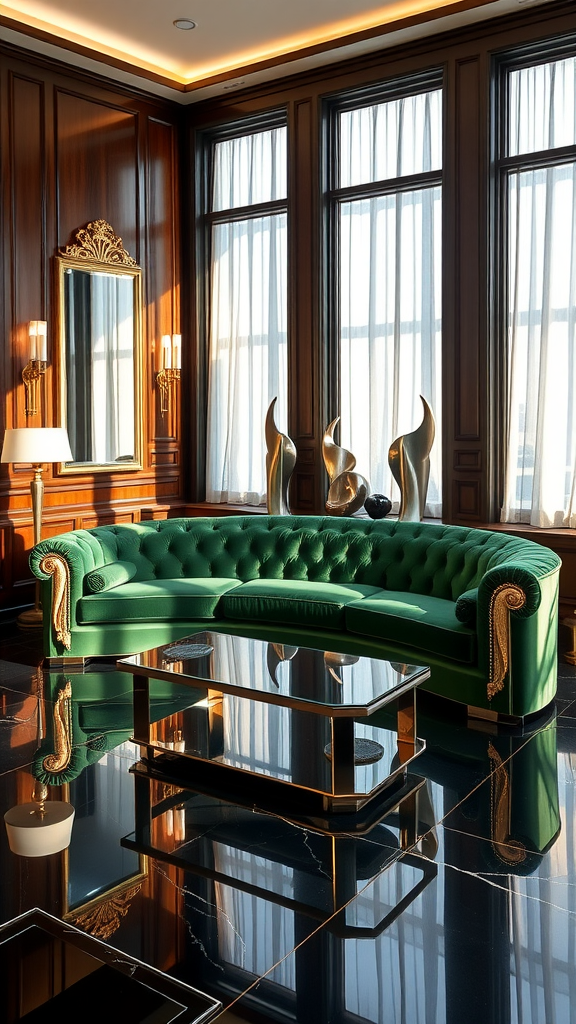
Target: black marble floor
[471, 920]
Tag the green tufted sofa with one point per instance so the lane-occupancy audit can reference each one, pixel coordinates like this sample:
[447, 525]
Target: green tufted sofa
[479, 607]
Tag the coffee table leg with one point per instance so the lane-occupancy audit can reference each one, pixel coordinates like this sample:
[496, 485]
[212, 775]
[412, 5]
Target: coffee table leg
[406, 749]
[342, 755]
[406, 726]
[143, 810]
[141, 686]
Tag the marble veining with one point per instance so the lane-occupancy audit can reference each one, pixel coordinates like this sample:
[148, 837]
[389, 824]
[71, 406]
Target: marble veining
[471, 919]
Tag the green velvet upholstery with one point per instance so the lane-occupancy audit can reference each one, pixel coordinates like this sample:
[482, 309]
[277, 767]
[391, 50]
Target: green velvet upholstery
[150, 600]
[294, 602]
[414, 592]
[109, 576]
[428, 622]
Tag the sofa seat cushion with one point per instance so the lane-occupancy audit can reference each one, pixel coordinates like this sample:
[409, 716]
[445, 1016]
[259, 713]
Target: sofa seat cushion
[155, 600]
[294, 602]
[428, 623]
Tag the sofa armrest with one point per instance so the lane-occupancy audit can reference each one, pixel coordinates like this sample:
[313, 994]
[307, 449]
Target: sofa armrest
[61, 564]
[510, 593]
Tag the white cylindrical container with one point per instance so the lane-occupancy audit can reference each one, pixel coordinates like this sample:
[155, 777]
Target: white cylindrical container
[32, 833]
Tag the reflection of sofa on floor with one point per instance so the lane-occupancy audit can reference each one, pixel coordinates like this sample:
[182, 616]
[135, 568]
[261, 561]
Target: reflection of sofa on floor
[479, 607]
[500, 788]
[89, 714]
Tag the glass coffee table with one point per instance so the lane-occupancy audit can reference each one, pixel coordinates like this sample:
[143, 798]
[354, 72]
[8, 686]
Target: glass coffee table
[292, 724]
[51, 970]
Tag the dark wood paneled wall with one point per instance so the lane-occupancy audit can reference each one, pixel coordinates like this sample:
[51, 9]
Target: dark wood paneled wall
[75, 150]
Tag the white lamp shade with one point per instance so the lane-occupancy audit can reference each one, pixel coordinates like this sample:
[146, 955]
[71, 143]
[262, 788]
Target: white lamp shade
[33, 835]
[36, 445]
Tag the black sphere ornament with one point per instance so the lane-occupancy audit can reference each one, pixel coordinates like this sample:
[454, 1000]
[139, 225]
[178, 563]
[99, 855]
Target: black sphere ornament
[377, 506]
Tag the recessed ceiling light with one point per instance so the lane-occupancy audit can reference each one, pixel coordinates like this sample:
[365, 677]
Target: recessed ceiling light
[184, 23]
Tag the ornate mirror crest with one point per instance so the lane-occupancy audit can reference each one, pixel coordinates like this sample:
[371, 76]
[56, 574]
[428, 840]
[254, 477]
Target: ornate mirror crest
[98, 241]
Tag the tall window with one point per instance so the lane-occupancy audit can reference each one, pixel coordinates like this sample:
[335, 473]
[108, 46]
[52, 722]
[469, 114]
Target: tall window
[387, 219]
[247, 311]
[539, 189]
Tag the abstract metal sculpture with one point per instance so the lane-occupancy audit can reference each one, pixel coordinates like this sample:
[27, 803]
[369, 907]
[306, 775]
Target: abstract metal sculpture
[348, 490]
[409, 460]
[280, 462]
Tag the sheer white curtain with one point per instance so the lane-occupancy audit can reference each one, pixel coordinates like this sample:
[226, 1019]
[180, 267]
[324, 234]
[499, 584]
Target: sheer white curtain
[255, 933]
[390, 284]
[248, 310]
[541, 445]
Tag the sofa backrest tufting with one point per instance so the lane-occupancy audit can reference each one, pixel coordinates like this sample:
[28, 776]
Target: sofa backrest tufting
[425, 558]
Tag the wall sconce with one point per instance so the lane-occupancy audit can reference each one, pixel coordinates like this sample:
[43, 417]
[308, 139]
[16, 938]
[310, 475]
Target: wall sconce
[36, 365]
[171, 365]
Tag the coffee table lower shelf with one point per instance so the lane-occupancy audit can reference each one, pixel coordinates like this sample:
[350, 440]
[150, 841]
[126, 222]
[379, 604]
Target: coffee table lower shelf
[310, 792]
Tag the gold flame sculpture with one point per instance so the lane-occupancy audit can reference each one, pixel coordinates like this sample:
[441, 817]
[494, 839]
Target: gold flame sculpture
[409, 460]
[348, 490]
[280, 462]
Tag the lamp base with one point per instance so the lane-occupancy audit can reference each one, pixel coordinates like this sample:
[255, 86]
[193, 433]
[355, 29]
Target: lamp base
[32, 618]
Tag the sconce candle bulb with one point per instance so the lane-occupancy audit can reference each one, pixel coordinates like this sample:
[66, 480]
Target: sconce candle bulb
[171, 362]
[177, 351]
[37, 331]
[166, 352]
[36, 365]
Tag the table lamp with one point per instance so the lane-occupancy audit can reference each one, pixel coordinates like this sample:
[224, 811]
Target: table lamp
[36, 445]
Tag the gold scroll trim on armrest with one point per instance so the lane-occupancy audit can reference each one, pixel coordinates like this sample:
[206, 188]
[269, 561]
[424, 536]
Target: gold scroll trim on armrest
[60, 759]
[508, 850]
[506, 597]
[57, 567]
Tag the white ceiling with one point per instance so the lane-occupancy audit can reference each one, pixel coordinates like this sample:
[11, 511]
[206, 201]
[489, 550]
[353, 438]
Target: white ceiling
[235, 43]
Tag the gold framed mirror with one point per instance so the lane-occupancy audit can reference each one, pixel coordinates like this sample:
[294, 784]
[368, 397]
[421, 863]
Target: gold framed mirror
[99, 351]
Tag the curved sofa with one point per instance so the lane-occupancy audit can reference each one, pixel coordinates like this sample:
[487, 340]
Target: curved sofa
[478, 606]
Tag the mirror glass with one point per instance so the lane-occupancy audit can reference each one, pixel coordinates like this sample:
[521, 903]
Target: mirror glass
[99, 364]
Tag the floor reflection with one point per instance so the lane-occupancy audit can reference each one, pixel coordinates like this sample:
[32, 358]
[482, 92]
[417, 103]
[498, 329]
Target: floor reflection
[456, 904]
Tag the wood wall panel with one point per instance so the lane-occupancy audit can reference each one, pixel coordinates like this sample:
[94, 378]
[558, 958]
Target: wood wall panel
[469, 231]
[305, 380]
[162, 302]
[467, 498]
[96, 168]
[466, 339]
[76, 150]
[27, 243]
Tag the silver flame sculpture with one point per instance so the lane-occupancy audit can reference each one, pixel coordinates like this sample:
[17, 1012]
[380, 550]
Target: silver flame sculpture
[348, 490]
[280, 462]
[409, 460]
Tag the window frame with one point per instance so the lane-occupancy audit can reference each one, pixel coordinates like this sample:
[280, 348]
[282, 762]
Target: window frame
[205, 140]
[503, 63]
[397, 87]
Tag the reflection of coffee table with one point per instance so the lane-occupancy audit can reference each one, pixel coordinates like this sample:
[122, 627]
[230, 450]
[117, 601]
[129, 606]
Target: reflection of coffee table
[280, 717]
[302, 869]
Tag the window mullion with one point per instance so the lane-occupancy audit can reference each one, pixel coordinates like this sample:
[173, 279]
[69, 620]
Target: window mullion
[389, 186]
